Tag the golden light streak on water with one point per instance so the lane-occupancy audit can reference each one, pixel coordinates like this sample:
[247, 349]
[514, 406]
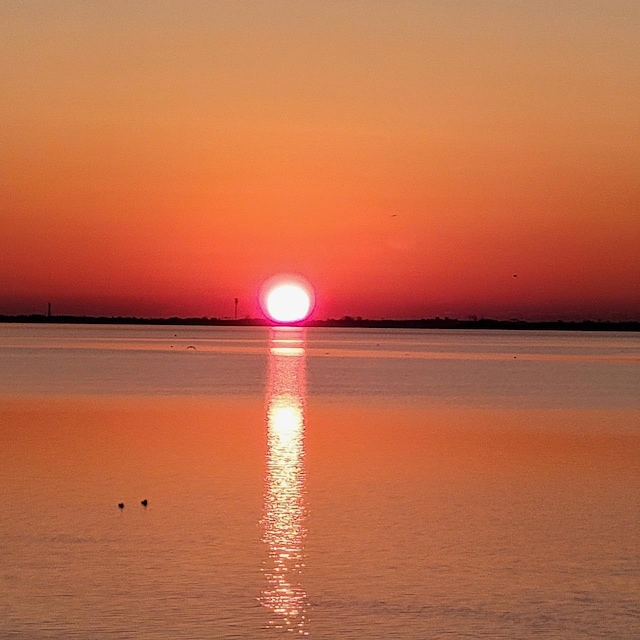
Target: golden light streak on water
[285, 510]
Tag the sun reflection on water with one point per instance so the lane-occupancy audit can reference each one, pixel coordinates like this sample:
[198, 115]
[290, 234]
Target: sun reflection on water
[285, 511]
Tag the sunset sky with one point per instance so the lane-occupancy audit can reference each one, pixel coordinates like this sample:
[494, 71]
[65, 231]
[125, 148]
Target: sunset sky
[410, 159]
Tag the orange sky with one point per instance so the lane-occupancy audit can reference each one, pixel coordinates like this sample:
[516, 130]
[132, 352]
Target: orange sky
[162, 158]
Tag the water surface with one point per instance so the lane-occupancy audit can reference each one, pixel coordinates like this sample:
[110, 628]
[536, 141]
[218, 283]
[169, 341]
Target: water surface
[338, 483]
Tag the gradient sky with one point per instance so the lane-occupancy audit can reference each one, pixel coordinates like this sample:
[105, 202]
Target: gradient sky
[408, 158]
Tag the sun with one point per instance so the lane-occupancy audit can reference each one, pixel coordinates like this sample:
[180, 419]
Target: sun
[287, 299]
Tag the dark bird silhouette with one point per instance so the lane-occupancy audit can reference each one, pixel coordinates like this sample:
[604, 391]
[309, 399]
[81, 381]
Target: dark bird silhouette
[144, 502]
[120, 505]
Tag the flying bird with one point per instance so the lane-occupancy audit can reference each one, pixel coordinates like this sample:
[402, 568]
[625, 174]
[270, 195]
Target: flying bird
[120, 505]
[144, 502]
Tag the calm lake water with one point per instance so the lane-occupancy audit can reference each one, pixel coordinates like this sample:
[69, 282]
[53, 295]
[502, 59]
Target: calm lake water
[328, 483]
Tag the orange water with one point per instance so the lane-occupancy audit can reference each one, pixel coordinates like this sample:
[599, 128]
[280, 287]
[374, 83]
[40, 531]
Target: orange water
[290, 511]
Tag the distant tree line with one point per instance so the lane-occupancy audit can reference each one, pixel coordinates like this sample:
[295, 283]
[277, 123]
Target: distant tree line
[346, 321]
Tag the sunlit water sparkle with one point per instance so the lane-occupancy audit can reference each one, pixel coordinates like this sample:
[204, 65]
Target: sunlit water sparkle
[284, 505]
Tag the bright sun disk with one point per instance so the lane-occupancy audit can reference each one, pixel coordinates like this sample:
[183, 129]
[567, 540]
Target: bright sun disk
[288, 302]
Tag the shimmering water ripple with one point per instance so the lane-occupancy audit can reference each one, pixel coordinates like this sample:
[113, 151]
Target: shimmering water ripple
[284, 503]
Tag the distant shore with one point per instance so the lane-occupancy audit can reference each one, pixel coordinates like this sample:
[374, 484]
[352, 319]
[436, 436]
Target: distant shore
[347, 321]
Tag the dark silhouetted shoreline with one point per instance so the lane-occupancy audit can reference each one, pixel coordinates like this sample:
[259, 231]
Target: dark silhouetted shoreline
[347, 321]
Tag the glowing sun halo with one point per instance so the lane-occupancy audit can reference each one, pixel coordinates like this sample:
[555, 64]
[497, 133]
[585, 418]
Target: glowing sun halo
[287, 301]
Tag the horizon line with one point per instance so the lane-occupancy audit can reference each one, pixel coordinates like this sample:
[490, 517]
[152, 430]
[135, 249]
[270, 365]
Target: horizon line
[344, 321]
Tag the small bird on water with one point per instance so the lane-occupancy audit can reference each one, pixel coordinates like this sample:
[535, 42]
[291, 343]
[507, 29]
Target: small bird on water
[120, 505]
[144, 502]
